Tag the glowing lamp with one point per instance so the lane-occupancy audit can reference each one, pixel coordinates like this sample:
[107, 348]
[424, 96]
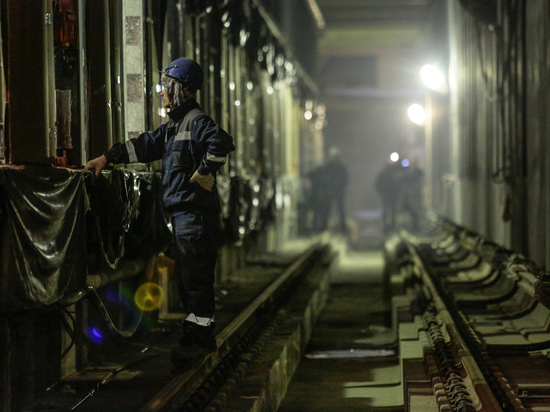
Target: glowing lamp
[417, 114]
[433, 78]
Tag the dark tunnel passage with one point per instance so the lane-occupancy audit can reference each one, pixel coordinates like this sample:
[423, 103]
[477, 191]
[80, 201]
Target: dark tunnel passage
[274, 205]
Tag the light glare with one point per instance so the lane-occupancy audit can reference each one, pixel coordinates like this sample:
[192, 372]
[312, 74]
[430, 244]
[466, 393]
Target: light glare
[149, 296]
[433, 78]
[416, 114]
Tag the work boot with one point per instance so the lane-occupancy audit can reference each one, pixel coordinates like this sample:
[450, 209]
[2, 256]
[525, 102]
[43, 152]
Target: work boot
[197, 342]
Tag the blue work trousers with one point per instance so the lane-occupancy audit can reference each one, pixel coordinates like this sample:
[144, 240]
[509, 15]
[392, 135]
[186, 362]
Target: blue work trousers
[196, 234]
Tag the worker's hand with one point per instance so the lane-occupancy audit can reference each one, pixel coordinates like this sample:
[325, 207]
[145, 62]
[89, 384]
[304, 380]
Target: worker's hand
[206, 181]
[96, 165]
[14, 167]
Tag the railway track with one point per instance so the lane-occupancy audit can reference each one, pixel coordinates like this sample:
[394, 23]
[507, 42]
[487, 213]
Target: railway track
[209, 384]
[481, 322]
[259, 346]
[471, 317]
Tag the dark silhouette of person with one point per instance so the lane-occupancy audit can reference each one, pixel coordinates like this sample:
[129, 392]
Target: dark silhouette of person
[388, 187]
[328, 190]
[411, 182]
[317, 199]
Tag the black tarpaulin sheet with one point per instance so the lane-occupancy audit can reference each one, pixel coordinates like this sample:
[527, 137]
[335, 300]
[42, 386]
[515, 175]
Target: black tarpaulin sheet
[114, 199]
[126, 219]
[42, 234]
[56, 225]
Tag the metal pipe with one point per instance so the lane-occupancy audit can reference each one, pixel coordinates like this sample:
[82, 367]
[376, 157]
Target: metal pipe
[26, 49]
[51, 119]
[99, 75]
[116, 71]
[2, 99]
[48, 20]
[108, 126]
[82, 73]
[125, 270]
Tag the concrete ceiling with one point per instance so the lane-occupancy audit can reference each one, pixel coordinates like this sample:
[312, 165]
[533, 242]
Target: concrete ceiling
[372, 44]
[372, 26]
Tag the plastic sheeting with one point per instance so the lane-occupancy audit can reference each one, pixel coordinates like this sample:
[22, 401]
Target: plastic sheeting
[56, 225]
[42, 234]
[114, 199]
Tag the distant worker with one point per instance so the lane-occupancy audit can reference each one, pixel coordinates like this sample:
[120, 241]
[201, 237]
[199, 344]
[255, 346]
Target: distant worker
[193, 147]
[317, 199]
[329, 183]
[388, 187]
[411, 183]
[337, 182]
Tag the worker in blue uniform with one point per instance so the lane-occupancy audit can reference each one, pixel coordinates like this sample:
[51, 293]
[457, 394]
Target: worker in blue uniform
[193, 147]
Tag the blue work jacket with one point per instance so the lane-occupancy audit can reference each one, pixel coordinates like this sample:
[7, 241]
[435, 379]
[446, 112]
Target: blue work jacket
[185, 144]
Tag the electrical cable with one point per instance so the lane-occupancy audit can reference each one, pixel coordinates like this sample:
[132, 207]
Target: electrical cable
[106, 318]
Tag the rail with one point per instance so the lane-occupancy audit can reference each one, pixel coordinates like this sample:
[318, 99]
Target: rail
[233, 342]
[484, 311]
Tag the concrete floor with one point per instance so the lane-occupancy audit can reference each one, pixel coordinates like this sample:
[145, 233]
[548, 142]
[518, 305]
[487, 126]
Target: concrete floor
[351, 362]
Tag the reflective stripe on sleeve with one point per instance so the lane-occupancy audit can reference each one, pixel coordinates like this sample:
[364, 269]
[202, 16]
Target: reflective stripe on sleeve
[131, 151]
[211, 158]
[183, 136]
